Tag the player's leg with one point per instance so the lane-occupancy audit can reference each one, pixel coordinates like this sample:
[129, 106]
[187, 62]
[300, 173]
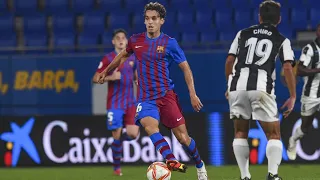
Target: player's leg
[308, 110]
[148, 117]
[303, 128]
[171, 117]
[114, 123]
[241, 147]
[132, 130]
[116, 147]
[274, 147]
[240, 113]
[189, 145]
[265, 110]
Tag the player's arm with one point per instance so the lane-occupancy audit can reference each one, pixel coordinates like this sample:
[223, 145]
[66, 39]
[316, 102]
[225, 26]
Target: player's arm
[195, 101]
[117, 61]
[287, 59]
[184, 66]
[290, 78]
[232, 54]
[179, 57]
[229, 65]
[102, 66]
[112, 77]
[304, 71]
[305, 60]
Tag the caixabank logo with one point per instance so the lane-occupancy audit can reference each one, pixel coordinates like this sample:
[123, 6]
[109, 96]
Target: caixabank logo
[69, 140]
[19, 140]
[259, 143]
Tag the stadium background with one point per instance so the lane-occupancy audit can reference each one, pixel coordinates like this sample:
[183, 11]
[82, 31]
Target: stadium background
[50, 49]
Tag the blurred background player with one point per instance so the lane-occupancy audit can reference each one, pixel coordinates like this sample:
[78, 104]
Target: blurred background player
[250, 69]
[157, 100]
[309, 69]
[120, 97]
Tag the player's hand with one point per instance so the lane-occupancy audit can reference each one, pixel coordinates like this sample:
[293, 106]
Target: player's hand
[116, 75]
[101, 77]
[196, 103]
[289, 104]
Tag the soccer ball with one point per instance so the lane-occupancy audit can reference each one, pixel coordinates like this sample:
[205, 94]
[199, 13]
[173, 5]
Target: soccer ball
[158, 171]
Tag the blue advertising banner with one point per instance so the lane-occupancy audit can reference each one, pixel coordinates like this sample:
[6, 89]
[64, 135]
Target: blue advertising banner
[46, 85]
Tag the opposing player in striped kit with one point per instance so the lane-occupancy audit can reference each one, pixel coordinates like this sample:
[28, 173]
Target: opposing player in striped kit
[250, 72]
[309, 69]
[157, 101]
[120, 98]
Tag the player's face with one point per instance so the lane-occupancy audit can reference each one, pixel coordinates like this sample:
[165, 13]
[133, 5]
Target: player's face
[153, 21]
[120, 41]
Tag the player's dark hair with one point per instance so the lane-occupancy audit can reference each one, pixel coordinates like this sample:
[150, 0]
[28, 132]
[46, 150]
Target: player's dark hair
[155, 6]
[318, 26]
[270, 12]
[116, 31]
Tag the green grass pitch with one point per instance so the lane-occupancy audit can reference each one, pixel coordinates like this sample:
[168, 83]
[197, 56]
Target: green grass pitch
[288, 172]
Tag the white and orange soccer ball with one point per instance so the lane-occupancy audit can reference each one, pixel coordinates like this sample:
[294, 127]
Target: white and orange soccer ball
[158, 171]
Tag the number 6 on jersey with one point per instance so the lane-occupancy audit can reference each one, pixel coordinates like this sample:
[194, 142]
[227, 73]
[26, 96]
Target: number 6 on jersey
[139, 108]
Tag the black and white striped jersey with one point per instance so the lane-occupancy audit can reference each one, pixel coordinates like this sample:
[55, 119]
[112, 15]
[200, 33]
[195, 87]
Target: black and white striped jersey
[256, 50]
[310, 59]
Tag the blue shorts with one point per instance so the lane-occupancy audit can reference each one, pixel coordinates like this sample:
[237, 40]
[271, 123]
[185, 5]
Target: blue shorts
[117, 118]
[165, 109]
[145, 109]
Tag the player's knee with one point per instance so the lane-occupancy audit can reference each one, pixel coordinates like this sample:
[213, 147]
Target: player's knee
[133, 134]
[116, 134]
[241, 134]
[151, 129]
[273, 135]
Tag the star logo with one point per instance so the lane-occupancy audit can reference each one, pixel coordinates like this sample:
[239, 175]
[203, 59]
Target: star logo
[20, 139]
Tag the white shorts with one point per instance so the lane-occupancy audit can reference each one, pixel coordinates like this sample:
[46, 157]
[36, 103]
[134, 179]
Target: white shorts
[309, 106]
[261, 105]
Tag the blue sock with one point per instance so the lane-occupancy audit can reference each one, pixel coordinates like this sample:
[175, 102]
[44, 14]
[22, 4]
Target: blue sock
[116, 147]
[162, 146]
[193, 152]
